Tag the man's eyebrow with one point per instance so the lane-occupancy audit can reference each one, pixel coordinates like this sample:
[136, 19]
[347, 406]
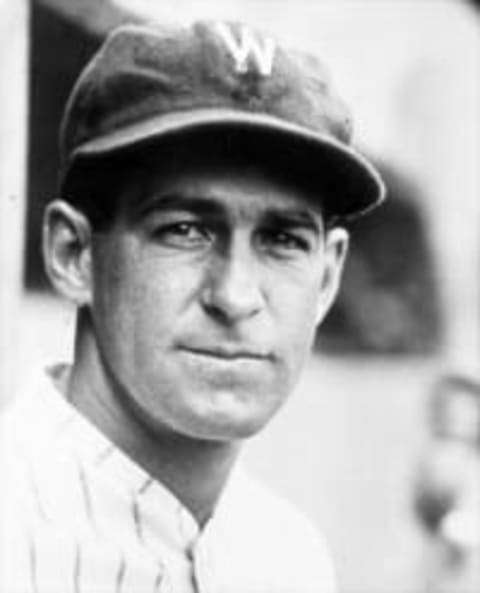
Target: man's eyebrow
[178, 201]
[287, 217]
[295, 217]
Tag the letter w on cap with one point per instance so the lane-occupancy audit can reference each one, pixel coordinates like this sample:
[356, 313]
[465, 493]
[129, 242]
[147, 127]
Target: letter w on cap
[262, 51]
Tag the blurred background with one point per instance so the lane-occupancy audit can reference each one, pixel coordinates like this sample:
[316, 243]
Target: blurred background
[347, 446]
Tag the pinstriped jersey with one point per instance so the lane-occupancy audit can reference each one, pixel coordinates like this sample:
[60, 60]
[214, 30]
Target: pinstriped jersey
[80, 516]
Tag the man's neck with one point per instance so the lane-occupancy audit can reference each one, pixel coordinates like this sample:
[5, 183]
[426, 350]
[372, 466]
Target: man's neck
[195, 471]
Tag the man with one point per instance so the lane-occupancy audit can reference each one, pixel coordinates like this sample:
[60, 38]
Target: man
[206, 172]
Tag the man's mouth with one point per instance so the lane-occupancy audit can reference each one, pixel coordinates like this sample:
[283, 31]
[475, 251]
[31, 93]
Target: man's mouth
[227, 366]
[231, 353]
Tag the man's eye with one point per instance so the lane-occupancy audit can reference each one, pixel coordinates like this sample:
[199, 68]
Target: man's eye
[182, 234]
[284, 242]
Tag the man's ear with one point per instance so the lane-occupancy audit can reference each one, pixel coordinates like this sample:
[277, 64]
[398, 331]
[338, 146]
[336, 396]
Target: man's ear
[336, 248]
[67, 251]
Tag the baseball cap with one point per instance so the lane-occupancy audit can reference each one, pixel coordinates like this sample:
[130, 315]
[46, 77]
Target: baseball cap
[149, 82]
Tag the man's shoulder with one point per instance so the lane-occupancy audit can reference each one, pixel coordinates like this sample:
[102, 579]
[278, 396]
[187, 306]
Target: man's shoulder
[272, 510]
[32, 429]
[282, 541]
[33, 412]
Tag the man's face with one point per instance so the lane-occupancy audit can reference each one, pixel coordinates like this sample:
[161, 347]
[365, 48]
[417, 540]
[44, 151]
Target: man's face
[206, 294]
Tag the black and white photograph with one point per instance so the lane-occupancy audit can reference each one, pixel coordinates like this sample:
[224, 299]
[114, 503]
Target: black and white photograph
[239, 296]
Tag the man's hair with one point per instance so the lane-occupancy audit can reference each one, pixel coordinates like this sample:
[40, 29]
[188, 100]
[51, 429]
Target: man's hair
[94, 185]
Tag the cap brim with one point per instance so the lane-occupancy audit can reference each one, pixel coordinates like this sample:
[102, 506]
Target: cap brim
[358, 187]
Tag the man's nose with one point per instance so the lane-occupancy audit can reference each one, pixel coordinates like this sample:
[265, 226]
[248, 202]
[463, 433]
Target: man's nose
[232, 290]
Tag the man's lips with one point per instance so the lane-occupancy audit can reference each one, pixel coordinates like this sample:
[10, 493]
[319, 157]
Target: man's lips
[228, 352]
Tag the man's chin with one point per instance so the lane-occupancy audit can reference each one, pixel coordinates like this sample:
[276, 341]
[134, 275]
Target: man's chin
[222, 427]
